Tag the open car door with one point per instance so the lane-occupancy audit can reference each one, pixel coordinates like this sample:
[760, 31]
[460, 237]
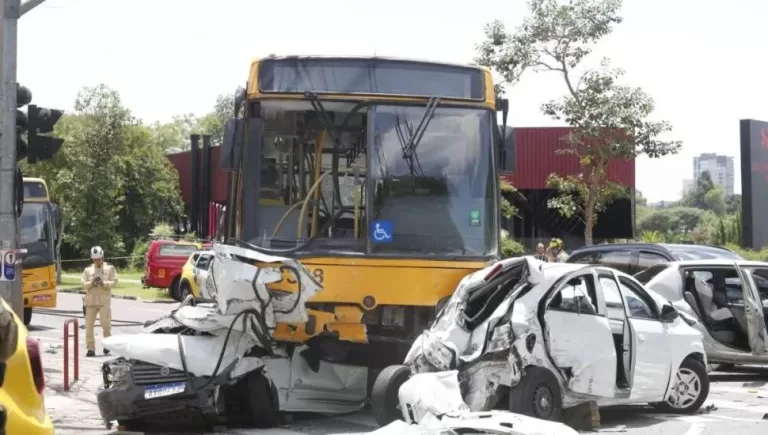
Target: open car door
[753, 310]
[580, 341]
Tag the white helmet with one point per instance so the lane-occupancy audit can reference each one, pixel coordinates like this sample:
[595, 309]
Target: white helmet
[97, 252]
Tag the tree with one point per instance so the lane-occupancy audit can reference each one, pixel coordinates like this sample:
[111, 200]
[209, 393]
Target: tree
[609, 119]
[695, 196]
[509, 247]
[110, 179]
[715, 200]
[687, 218]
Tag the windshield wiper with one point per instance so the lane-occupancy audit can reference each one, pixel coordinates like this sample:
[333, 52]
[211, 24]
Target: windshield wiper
[410, 142]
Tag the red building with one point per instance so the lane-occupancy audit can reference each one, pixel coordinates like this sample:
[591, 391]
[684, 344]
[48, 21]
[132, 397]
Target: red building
[536, 159]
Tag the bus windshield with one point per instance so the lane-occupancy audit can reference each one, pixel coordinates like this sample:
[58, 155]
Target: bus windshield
[37, 234]
[422, 174]
[435, 194]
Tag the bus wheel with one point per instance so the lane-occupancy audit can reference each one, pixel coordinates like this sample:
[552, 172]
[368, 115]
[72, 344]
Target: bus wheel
[27, 316]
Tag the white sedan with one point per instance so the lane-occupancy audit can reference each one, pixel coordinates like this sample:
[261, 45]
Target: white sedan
[535, 338]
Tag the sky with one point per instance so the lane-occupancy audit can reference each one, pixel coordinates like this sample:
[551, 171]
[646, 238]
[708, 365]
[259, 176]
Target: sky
[700, 61]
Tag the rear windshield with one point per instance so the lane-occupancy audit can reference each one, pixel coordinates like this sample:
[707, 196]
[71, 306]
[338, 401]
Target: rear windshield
[647, 275]
[177, 250]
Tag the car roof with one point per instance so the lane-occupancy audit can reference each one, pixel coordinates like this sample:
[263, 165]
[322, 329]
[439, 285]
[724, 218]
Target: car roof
[718, 262]
[667, 248]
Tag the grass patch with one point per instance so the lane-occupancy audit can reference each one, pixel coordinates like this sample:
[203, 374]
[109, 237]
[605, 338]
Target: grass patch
[122, 289]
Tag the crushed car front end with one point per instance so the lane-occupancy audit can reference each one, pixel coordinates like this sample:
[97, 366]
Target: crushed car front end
[214, 361]
[137, 390]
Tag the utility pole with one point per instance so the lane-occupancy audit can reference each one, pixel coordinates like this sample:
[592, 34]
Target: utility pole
[10, 281]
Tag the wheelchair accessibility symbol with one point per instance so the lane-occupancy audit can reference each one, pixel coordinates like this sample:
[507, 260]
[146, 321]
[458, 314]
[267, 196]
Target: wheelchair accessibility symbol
[381, 231]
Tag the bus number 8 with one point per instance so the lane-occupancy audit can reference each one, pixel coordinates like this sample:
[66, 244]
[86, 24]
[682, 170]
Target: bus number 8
[318, 274]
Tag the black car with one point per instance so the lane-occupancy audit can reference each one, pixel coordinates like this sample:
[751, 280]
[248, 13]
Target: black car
[633, 258]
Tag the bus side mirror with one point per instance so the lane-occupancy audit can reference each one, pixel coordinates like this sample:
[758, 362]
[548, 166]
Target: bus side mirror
[231, 148]
[508, 150]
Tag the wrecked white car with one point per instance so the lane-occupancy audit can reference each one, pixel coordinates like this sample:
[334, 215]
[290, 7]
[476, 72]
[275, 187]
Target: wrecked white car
[728, 297]
[214, 362]
[535, 338]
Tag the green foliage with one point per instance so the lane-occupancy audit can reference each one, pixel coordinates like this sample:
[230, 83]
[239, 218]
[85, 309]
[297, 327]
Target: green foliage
[138, 254]
[162, 230]
[111, 179]
[511, 248]
[507, 190]
[609, 120]
[674, 224]
[715, 200]
[652, 237]
[577, 196]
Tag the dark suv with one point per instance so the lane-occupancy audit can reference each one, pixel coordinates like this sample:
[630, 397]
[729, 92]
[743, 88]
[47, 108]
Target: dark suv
[632, 258]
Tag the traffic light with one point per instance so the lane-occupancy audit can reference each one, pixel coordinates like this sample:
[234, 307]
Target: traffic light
[23, 97]
[36, 122]
[42, 120]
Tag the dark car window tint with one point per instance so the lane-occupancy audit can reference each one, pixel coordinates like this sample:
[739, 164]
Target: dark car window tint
[620, 260]
[587, 258]
[648, 259]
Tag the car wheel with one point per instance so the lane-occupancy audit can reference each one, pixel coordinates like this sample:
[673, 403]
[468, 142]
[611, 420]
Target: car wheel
[184, 291]
[263, 401]
[385, 403]
[27, 316]
[688, 390]
[175, 291]
[537, 395]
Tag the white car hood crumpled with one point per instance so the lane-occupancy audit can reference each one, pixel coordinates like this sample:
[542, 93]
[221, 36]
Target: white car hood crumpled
[435, 401]
[234, 286]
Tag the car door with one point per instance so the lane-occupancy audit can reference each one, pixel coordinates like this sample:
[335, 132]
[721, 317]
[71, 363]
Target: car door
[753, 310]
[579, 339]
[201, 269]
[652, 357]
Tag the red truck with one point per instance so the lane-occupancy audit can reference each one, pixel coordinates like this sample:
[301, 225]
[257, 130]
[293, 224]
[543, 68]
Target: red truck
[163, 263]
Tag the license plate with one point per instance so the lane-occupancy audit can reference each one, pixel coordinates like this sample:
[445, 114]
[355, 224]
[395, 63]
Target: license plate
[154, 391]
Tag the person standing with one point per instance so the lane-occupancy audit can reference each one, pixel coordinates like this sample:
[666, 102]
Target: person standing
[557, 248]
[98, 280]
[541, 253]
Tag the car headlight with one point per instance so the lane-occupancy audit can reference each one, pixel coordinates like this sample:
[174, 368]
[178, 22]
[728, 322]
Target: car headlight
[438, 353]
[116, 373]
[501, 338]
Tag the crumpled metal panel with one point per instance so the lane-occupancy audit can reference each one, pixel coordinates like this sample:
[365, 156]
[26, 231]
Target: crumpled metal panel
[201, 351]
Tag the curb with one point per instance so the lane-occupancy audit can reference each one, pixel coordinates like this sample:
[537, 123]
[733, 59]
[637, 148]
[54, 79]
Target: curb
[130, 298]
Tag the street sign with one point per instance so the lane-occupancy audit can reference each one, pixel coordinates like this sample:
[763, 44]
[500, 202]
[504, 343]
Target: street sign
[7, 265]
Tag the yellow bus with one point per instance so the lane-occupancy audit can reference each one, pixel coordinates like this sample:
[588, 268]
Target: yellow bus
[38, 226]
[381, 176]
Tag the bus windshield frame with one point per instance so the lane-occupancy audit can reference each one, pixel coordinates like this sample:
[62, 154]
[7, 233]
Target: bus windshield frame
[441, 205]
[37, 234]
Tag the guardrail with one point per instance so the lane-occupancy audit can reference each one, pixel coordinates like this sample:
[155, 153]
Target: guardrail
[66, 352]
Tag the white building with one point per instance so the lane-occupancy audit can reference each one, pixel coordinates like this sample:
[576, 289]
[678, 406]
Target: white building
[688, 185]
[720, 168]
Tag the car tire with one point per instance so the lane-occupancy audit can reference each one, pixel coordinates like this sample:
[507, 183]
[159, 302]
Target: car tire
[184, 290]
[174, 290]
[263, 402]
[385, 403]
[537, 395]
[700, 385]
[27, 316]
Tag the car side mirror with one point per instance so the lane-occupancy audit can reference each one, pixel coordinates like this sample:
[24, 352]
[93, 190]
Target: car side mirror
[668, 314]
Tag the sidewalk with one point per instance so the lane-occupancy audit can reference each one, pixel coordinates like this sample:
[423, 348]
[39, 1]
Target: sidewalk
[75, 411]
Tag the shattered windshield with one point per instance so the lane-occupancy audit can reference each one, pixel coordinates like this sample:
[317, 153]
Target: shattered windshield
[434, 186]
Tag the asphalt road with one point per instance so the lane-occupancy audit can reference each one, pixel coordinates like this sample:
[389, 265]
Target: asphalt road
[737, 403]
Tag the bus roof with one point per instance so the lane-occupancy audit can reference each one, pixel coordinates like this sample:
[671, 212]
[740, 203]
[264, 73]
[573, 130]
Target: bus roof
[36, 190]
[395, 59]
[341, 77]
